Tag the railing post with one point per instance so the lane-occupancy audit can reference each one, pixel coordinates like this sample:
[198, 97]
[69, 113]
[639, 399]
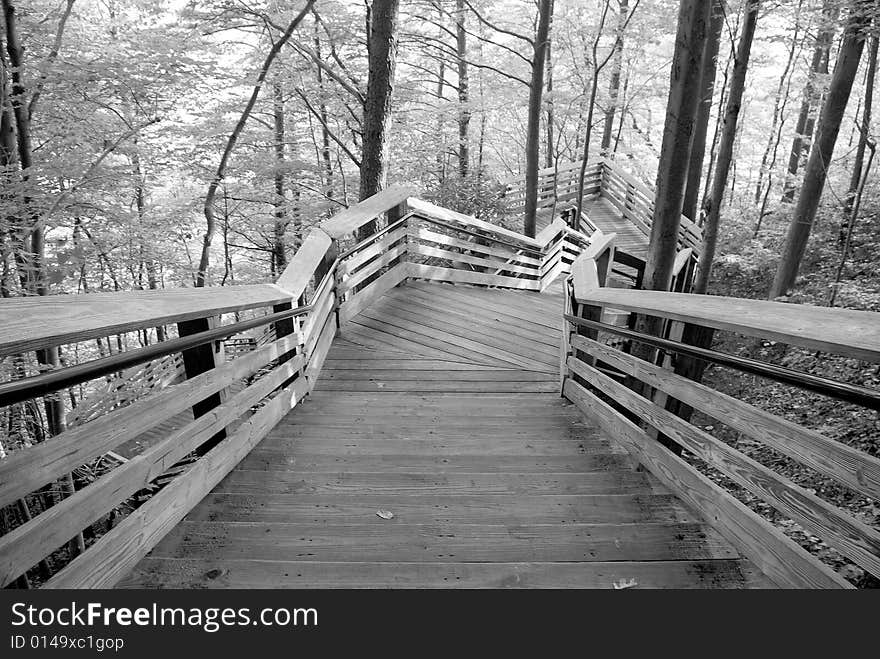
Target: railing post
[199, 360]
[591, 269]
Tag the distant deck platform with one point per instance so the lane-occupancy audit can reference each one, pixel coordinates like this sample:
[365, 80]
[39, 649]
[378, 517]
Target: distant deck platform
[441, 404]
[609, 219]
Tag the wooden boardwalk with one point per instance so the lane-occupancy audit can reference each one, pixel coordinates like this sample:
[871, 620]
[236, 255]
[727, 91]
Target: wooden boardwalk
[440, 404]
[605, 215]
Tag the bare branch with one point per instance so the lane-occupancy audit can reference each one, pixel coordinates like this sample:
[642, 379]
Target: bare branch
[330, 133]
[492, 26]
[51, 57]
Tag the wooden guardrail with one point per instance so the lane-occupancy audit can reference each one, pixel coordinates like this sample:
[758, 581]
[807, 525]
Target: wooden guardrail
[557, 188]
[595, 377]
[234, 403]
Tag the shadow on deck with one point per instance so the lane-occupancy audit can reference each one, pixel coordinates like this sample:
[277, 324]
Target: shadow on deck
[441, 405]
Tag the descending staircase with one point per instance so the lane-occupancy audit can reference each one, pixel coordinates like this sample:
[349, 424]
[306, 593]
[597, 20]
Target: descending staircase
[440, 404]
[478, 384]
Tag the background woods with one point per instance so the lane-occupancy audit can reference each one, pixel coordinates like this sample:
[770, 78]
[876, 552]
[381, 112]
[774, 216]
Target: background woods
[153, 144]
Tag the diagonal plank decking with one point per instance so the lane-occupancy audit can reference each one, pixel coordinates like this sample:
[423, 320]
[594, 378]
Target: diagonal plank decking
[441, 405]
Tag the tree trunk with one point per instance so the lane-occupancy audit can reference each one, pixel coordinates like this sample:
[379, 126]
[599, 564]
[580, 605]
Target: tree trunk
[701, 130]
[464, 110]
[864, 133]
[533, 130]
[681, 114]
[377, 108]
[279, 256]
[614, 83]
[550, 151]
[779, 105]
[725, 150]
[800, 146]
[325, 133]
[820, 157]
[210, 224]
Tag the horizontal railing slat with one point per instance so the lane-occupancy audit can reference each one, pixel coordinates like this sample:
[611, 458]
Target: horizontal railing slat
[34, 323]
[28, 469]
[783, 561]
[117, 552]
[438, 273]
[420, 233]
[432, 211]
[852, 538]
[351, 219]
[299, 272]
[425, 250]
[20, 548]
[851, 467]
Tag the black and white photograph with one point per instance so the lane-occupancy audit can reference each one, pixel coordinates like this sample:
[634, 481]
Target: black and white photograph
[434, 295]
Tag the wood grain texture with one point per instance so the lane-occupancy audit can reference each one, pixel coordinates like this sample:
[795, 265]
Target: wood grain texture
[842, 331]
[29, 323]
[437, 273]
[353, 218]
[429, 210]
[855, 469]
[111, 557]
[20, 548]
[784, 562]
[229, 573]
[26, 470]
[854, 539]
[305, 262]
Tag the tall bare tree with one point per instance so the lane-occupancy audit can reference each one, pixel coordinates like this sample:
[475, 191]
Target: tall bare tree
[860, 13]
[681, 116]
[712, 206]
[533, 127]
[382, 47]
[464, 109]
[614, 83]
[232, 140]
[701, 129]
[806, 122]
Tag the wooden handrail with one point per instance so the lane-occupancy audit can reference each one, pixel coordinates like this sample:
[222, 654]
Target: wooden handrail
[351, 219]
[432, 211]
[33, 323]
[40, 385]
[842, 391]
[842, 331]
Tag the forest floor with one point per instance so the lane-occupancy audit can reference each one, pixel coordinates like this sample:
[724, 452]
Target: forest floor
[746, 269]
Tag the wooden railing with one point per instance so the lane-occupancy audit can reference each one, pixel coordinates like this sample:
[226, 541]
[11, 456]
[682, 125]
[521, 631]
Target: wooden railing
[557, 188]
[231, 402]
[638, 400]
[452, 247]
[234, 403]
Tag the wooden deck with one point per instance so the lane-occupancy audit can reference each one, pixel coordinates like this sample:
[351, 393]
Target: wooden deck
[608, 218]
[440, 404]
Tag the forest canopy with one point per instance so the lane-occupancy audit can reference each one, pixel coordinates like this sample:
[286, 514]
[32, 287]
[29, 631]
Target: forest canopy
[121, 118]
